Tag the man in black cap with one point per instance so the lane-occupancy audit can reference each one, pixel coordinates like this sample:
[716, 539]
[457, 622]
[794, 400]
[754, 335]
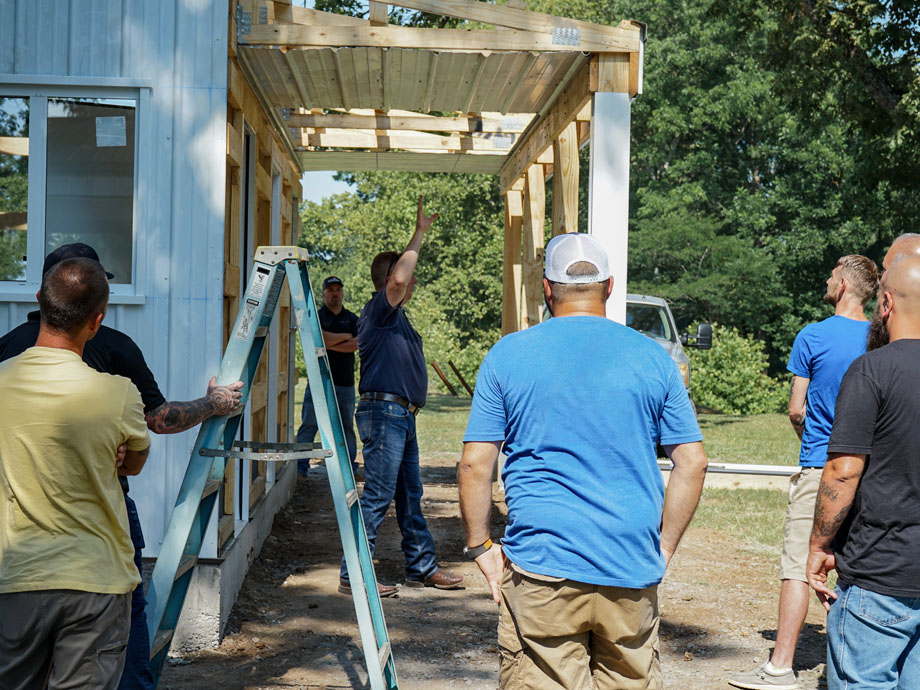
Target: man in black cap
[113, 352]
[340, 334]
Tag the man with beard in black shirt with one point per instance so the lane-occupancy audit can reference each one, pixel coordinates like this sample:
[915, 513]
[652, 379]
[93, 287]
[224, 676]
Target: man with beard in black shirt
[867, 516]
[903, 246]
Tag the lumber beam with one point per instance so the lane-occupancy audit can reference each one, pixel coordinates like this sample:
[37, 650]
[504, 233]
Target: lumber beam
[612, 73]
[564, 109]
[533, 246]
[565, 181]
[615, 38]
[305, 16]
[14, 146]
[408, 121]
[13, 220]
[511, 271]
[408, 141]
[321, 36]
[412, 161]
[377, 14]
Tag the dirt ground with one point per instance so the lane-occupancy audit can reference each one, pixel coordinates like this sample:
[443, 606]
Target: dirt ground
[291, 629]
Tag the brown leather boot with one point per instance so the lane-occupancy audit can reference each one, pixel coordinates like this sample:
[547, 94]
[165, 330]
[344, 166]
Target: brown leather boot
[442, 579]
[383, 590]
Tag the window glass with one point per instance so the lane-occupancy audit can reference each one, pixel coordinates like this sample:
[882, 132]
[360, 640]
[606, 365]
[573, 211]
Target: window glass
[649, 320]
[90, 179]
[14, 186]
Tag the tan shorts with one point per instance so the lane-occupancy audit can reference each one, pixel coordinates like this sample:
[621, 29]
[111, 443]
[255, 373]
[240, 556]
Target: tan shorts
[569, 634]
[800, 514]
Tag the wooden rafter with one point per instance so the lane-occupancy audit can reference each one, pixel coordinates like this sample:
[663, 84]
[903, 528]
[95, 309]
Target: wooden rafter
[394, 139]
[565, 109]
[616, 38]
[408, 121]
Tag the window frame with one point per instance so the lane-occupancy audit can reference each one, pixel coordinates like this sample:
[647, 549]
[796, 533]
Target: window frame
[38, 95]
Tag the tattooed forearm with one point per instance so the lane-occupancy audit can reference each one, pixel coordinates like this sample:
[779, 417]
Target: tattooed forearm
[173, 417]
[835, 497]
[830, 512]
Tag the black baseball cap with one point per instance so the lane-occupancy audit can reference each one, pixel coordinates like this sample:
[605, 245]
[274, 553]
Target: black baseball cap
[332, 280]
[77, 250]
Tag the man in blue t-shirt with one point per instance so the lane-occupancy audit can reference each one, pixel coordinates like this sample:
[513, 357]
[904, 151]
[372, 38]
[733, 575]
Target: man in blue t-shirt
[821, 354]
[393, 388]
[579, 404]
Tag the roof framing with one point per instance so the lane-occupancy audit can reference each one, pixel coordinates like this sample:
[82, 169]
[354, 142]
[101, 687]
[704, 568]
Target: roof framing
[352, 94]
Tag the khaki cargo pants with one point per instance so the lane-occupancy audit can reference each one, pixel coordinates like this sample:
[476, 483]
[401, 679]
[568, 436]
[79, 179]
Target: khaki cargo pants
[555, 633]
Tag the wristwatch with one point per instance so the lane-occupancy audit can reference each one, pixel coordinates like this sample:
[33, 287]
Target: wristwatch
[476, 551]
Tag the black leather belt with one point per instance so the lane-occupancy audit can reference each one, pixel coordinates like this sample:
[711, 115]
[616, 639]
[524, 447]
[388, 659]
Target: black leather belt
[393, 398]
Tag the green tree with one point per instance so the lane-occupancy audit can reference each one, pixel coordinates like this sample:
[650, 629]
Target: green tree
[456, 306]
[14, 188]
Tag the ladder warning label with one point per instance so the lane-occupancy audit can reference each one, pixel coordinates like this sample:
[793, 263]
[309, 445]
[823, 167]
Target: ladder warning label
[259, 283]
[247, 318]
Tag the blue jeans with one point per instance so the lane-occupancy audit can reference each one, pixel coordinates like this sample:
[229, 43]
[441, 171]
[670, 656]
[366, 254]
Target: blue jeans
[345, 395]
[137, 675]
[872, 641]
[391, 471]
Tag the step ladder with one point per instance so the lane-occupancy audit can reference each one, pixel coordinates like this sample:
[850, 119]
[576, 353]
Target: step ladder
[216, 442]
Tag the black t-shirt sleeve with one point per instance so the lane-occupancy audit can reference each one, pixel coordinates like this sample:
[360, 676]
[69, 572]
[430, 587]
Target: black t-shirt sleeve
[855, 414]
[128, 361]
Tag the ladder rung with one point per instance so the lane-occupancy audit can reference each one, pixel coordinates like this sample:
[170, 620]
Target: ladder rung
[162, 640]
[384, 654]
[210, 487]
[261, 331]
[351, 498]
[187, 563]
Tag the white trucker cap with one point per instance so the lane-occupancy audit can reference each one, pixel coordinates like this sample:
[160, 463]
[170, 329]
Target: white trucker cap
[571, 248]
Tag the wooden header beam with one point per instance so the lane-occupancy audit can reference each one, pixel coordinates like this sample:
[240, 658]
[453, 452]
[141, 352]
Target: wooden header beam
[464, 40]
[14, 146]
[392, 139]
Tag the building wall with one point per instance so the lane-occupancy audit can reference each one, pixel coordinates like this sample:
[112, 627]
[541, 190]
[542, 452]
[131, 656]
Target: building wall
[177, 52]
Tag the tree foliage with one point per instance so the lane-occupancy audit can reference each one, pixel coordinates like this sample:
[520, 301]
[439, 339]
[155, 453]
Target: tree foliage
[771, 138]
[456, 306]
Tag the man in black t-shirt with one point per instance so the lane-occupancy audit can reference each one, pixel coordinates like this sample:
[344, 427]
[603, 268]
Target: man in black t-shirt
[340, 334]
[113, 352]
[867, 516]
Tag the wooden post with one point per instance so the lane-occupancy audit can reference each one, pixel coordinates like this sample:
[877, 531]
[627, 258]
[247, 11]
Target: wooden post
[609, 172]
[511, 275]
[565, 181]
[532, 268]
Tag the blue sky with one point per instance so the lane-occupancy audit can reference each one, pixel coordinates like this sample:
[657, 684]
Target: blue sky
[317, 185]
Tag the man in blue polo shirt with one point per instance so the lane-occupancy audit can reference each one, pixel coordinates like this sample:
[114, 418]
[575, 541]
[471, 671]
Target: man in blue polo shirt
[580, 403]
[394, 387]
[821, 354]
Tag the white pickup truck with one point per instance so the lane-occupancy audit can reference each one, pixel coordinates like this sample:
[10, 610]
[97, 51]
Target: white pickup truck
[652, 317]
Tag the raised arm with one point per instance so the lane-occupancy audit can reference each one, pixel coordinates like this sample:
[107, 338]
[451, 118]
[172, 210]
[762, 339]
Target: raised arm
[402, 273]
[839, 482]
[474, 476]
[797, 396]
[173, 417]
[685, 485]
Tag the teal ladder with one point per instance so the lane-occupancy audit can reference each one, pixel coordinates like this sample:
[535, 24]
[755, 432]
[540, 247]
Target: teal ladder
[216, 442]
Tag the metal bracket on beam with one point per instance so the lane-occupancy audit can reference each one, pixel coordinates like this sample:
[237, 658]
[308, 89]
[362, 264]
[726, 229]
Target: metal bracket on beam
[566, 36]
[243, 24]
[263, 14]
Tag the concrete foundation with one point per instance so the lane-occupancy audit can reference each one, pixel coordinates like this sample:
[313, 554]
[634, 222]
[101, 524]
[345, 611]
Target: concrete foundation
[216, 583]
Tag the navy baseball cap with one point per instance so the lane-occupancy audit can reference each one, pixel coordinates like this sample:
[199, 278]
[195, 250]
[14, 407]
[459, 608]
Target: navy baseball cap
[77, 250]
[332, 280]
